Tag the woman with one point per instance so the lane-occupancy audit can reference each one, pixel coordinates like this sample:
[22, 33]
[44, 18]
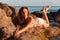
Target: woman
[27, 21]
[24, 20]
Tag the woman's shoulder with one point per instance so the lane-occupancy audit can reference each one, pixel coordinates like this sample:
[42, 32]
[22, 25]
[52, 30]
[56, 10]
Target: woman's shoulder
[30, 17]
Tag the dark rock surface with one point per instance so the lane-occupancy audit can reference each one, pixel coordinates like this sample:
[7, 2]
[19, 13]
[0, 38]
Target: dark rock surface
[37, 13]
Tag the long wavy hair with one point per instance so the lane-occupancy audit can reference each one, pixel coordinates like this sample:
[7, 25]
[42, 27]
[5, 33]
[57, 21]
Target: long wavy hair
[20, 17]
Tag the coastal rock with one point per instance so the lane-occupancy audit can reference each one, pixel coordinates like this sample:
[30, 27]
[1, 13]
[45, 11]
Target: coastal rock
[57, 19]
[6, 26]
[40, 34]
[6, 9]
[55, 38]
[10, 11]
[14, 11]
[55, 16]
[37, 13]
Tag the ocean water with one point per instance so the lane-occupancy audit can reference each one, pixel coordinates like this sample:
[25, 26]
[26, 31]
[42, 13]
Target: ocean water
[38, 8]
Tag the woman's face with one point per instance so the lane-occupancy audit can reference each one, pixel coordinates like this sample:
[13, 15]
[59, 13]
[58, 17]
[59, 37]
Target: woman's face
[25, 13]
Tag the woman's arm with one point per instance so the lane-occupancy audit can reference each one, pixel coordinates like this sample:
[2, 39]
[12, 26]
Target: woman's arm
[27, 26]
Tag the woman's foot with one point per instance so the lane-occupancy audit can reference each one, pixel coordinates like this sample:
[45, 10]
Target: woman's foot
[46, 9]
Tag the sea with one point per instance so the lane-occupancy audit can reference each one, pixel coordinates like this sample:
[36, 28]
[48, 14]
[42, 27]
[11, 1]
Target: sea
[39, 8]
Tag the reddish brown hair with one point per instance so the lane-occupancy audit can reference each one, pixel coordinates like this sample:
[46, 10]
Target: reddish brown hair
[20, 18]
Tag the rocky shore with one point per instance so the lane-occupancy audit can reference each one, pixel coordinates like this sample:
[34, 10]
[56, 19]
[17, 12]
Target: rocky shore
[7, 27]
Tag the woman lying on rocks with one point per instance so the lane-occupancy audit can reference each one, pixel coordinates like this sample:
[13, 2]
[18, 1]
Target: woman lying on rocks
[26, 21]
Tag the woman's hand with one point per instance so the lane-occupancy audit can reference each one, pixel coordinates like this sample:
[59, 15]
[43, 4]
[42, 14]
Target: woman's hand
[16, 34]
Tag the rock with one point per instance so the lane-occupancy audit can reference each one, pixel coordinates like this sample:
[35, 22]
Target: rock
[6, 26]
[52, 31]
[55, 38]
[14, 11]
[33, 34]
[10, 11]
[6, 9]
[52, 15]
[55, 16]
[37, 13]
[57, 19]
[40, 34]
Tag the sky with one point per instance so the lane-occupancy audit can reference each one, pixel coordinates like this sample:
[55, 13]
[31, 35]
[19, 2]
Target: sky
[32, 2]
